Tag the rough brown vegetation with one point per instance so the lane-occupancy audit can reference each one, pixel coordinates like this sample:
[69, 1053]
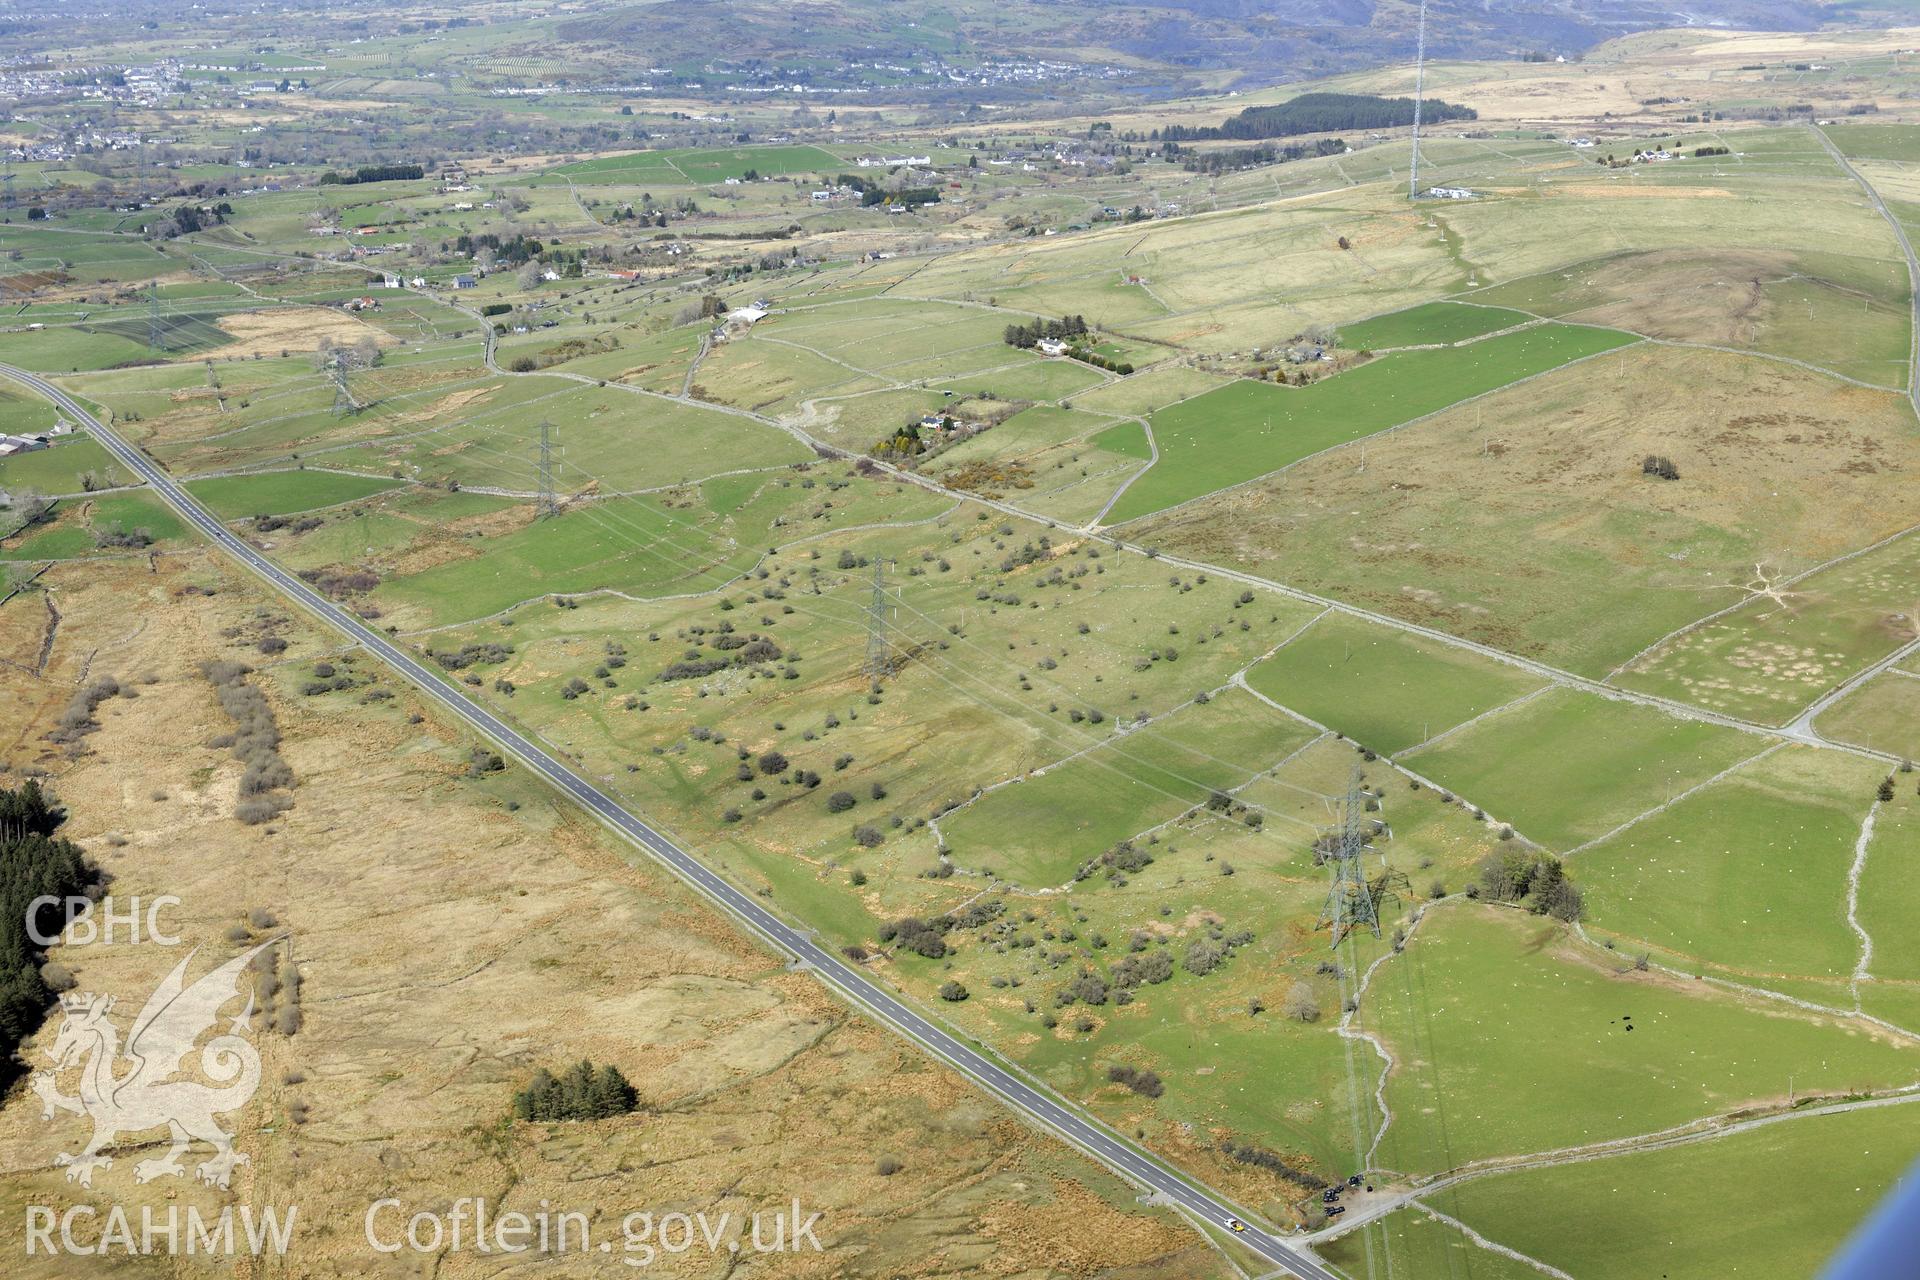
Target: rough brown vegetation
[443, 944]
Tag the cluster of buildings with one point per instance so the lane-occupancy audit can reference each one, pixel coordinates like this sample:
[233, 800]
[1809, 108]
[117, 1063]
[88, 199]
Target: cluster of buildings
[10, 445]
[1001, 73]
[23, 80]
[741, 319]
[83, 142]
[548, 90]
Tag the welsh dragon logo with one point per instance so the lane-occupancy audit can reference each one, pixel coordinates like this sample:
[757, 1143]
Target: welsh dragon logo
[152, 1094]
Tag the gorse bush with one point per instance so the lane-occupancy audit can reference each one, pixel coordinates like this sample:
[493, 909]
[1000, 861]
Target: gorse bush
[255, 742]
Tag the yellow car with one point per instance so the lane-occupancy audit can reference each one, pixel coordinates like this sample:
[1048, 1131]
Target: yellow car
[1234, 1224]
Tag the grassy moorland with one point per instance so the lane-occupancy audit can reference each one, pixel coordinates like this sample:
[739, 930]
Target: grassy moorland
[1069, 794]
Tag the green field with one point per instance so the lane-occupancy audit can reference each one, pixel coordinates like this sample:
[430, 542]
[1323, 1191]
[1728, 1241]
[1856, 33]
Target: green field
[1250, 428]
[700, 165]
[1126, 439]
[1775, 1201]
[77, 524]
[64, 468]
[1567, 767]
[1432, 322]
[627, 544]
[1889, 899]
[1882, 714]
[1876, 141]
[1039, 829]
[1387, 690]
[279, 493]
[1035, 380]
[1143, 393]
[1419, 1245]
[1512, 1038]
[1749, 873]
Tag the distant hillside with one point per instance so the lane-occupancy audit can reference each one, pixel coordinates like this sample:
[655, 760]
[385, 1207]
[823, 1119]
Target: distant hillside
[1318, 113]
[1182, 43]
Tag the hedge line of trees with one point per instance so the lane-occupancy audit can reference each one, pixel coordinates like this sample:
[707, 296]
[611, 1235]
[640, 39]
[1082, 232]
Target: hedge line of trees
[911, 197]
[1261, 1158]
[374, 173]
[505, 253]
[32, 864]
[1318, 113]
[1098, 361]
[1027, 336]
[1228, 159]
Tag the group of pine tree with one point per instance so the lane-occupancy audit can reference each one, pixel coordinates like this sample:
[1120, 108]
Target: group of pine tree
[1065, 329]
[1316, 113]
[582, 1092]
[33, 864]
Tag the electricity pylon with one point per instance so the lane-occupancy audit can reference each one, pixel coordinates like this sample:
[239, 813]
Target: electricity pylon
[877, 646]
[548, 504]
[1419, 90]
[343, 399]
[1350, 903]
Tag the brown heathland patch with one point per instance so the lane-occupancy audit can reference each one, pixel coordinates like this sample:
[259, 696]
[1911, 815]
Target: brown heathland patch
[291, 329]
[449, 946]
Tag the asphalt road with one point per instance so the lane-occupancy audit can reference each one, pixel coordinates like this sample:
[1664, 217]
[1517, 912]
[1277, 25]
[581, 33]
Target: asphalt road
[1906, 248]
[1038, 1104]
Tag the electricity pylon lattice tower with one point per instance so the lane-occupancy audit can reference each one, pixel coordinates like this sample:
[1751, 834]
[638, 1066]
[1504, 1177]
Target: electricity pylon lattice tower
[877, 646]
[1350, 903]
[155, 337]
[548, 503]
[343, 398]
[1419, 91]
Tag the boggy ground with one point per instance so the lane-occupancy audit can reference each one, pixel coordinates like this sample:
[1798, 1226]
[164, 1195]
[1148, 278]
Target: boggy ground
[454, 933]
